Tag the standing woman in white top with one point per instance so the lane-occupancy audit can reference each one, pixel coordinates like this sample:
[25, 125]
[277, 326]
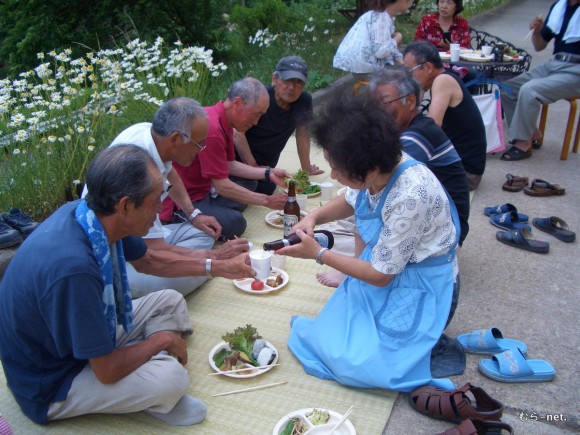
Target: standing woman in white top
[372, 41]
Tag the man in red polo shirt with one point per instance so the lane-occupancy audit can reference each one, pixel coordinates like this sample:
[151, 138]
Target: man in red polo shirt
[207, 178]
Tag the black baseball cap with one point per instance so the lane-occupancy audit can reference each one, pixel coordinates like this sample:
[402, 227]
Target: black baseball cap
[292, 67]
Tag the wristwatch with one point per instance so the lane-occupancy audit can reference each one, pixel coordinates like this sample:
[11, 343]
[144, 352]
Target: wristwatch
[319, 255]
[193, 215]
[267, 174]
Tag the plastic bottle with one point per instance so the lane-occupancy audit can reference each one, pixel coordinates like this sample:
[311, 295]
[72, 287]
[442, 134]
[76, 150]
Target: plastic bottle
[323, 237]
[291, 210]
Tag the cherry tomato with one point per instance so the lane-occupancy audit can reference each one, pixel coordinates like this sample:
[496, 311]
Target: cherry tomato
[257, 285]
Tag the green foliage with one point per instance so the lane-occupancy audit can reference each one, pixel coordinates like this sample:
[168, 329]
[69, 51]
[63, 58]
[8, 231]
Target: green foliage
[30, 27]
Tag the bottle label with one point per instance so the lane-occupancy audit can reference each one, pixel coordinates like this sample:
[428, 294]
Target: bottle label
[286, 242]
[289, 221]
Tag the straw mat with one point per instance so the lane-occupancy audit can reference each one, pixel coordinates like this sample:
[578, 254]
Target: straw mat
[218, 307]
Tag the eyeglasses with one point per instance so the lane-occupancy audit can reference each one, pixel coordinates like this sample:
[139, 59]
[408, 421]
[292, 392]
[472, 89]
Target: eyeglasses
[416, 66]
[189, 139]
[396, 99]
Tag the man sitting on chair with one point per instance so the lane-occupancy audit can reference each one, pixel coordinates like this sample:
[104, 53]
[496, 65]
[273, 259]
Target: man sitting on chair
[547, 83]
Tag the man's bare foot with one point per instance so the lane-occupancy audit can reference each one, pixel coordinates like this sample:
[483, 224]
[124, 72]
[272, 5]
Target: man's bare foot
[330, 279]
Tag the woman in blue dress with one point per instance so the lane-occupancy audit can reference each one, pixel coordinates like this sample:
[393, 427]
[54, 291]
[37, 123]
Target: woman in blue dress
[378, 328]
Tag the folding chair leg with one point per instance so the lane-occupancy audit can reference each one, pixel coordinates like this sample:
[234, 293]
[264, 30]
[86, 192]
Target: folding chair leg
[543, 118]
[569, 129]
[577, 136]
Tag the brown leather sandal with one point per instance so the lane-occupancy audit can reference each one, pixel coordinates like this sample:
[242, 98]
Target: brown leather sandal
[455, 405]
[515, 183]
[478, 427]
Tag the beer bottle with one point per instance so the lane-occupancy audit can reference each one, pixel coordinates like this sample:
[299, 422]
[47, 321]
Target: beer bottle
[323, 237]
[291, 209]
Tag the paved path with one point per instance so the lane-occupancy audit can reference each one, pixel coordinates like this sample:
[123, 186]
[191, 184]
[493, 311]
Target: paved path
[530, 297]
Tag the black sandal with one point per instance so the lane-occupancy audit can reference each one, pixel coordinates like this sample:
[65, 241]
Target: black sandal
[514, 153]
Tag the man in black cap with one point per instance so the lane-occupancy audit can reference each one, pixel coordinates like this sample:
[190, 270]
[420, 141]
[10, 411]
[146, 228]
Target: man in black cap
[290, 110]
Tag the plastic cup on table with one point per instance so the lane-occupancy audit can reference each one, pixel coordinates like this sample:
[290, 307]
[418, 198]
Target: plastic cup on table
[326, 191]
[455, 52]
[261, 262]
[486, 50]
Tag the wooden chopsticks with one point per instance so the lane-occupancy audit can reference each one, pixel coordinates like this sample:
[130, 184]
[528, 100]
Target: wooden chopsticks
[243, 390]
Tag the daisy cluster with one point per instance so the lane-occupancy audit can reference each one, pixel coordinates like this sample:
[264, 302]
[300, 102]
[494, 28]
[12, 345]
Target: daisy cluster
[54, 117]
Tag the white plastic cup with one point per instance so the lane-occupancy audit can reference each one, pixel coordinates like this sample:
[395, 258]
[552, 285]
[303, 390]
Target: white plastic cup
[455, 52]
[301, 200]
[486, 50]
[455, 45]
[261, 262]
[279, 261]
[326, 191]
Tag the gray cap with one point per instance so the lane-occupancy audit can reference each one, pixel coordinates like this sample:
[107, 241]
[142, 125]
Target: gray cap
[292, 67]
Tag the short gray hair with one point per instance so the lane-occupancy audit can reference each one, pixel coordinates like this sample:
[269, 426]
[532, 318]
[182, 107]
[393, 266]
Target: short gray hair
[118, 171]
[400, 78]
[248, 89]
[177, 114]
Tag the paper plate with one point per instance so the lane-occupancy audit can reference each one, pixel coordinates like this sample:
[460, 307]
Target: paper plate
[240, 375]
[275, 219]
[476, 57]
[444, 56]
[345, 429]
[245, 285]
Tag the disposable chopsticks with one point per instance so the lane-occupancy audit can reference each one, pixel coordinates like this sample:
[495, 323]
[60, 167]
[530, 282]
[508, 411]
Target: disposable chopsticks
[243, 390]
[245, 369]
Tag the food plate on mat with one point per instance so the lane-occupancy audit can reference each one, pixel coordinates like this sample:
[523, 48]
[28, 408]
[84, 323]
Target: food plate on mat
[245, 374]
[302, 415]
[245, 284]
[276, 218]
[310, 191]
[476, 57]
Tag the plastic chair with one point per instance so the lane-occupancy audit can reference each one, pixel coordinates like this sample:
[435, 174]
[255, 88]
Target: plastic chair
[569, 127]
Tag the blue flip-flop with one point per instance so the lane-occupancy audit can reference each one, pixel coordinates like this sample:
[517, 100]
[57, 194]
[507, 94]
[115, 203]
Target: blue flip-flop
[508, 221]
[489, 342]
[505, 208]
[512, 366]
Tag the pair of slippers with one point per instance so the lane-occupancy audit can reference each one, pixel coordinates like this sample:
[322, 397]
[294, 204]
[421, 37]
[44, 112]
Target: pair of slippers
[522, 237]
[517, 233]
[506, 217]
[516, 183]
[508, 362]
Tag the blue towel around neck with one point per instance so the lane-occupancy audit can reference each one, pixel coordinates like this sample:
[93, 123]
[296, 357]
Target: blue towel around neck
[117, 303]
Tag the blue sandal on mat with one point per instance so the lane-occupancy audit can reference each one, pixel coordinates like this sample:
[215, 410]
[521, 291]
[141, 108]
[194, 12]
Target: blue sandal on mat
[512, 366]
[489, 342]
